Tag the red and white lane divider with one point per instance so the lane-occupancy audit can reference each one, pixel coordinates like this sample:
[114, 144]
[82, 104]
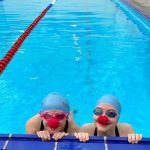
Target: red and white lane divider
[10, 54]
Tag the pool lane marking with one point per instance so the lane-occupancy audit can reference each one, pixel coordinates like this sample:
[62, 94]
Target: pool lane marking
[56, 145]
[7, 141]
[105, 143]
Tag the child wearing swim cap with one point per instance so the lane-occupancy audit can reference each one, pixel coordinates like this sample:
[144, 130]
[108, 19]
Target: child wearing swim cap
[105, 115]
[53, 119]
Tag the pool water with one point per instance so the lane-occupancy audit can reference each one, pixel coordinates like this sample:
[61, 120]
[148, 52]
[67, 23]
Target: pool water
[80, 49]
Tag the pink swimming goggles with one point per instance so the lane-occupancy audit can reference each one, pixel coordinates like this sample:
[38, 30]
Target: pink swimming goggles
[47, 116]
[53, 119]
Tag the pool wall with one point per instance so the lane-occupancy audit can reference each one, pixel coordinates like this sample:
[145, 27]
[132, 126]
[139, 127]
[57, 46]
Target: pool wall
[32, 142]
[142, 22]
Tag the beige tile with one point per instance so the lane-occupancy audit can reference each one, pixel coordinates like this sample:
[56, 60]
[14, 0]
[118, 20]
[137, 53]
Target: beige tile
[143, 5]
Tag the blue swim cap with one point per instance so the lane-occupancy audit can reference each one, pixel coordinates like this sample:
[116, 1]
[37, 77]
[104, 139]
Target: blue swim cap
[112, 100]
[55, 101]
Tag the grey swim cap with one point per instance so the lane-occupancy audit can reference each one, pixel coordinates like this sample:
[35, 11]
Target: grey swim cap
[112, 100]
[55, 101]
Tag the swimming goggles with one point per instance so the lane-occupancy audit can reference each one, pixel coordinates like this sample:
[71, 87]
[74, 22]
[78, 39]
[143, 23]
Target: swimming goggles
[109, 113]
[48, 116]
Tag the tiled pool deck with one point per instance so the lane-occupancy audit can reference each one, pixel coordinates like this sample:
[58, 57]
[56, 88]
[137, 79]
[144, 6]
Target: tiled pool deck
[141, 5]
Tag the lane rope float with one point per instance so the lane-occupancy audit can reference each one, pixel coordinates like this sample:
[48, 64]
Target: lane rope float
[12, 51]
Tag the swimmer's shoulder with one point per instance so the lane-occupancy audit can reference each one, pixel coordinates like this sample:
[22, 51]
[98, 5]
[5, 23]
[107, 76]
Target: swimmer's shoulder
[88, 128]
[33, 124]
[73, 127]
[125, 129]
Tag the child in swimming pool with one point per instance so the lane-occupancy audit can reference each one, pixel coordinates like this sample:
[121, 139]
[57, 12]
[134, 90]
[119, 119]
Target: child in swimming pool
[106, 115]
[55, 119]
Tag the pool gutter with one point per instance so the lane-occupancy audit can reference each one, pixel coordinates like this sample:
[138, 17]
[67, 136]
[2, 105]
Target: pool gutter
[142, 20]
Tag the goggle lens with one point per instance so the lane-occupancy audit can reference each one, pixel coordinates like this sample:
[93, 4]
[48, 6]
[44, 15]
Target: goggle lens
[48, 116]
[108, 113]
[98, 112]
[111, 114]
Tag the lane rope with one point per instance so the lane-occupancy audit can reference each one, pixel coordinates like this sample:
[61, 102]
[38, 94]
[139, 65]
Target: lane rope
[12, 51]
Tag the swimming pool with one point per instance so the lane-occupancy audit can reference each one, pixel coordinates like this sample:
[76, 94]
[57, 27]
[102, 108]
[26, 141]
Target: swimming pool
[78, 49]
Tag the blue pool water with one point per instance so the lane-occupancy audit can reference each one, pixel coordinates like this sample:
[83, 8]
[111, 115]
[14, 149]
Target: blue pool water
[80, 49]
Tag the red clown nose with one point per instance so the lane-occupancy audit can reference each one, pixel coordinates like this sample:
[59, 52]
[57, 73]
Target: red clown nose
[53, 123]
[103, 120]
